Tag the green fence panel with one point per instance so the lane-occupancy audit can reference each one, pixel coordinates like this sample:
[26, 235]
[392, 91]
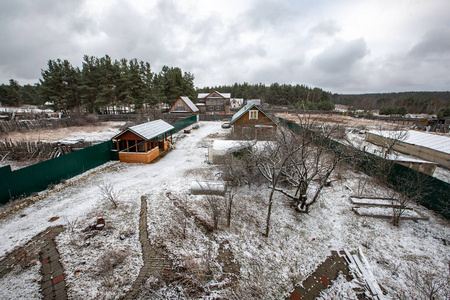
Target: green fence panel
[184, 123]
[5, 181]
[434, 193]
[39, 176]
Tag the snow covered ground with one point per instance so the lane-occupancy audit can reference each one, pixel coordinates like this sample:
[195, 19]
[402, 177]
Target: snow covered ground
[268, 267]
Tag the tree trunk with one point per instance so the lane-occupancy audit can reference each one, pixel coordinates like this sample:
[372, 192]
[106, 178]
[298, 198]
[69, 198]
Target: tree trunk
[303, 196]
[269, 212]
[230, 204]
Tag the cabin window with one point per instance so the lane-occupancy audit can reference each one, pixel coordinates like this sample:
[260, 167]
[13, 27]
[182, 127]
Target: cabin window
[210, 107]
[253, 115]
[219, 107]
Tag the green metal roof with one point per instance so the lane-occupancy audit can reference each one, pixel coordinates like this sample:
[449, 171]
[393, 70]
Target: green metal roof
[149, 130]
[245, 109]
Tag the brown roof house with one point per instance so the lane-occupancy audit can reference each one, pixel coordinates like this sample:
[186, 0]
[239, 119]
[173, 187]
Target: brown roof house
[183, 105]
[251, 122]
[236, 103]
[214, 103]
[145, 142]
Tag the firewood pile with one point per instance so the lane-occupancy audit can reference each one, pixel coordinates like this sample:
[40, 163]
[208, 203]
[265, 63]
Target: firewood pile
[27, 150]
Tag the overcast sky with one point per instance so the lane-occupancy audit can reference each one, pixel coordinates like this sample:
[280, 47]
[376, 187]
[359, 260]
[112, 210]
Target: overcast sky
[342, 46]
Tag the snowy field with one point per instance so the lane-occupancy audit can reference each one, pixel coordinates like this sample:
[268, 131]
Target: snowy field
[267, 268]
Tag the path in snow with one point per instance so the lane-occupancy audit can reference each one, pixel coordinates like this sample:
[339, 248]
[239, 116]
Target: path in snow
[154, 261]
[42, 247]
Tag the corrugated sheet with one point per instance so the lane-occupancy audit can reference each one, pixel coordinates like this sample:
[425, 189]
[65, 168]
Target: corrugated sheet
[189, 103]
[149, 130]
[432, 141]
[37, 177]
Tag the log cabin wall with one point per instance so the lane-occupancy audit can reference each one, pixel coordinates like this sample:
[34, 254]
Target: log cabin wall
[252, 124]
[139, 157]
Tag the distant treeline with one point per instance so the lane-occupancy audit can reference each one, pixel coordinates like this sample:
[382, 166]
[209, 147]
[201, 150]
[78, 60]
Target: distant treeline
[301, 96]
[399, 103]
[101, 84]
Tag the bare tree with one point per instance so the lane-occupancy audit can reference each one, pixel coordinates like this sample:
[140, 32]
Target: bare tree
[230, 196]
[430, 285]
[309, 161]
[109, 193]
[408, 189]
[390, 138]
[271, 160]
[214, 204]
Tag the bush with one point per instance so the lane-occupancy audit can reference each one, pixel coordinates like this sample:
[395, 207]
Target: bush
[393, 110]
[444, 112]
[325, 105]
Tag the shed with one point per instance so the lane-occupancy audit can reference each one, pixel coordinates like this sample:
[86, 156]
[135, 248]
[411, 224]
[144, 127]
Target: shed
[145, 142]
[431, 147]
[252, 122]
[183, 105]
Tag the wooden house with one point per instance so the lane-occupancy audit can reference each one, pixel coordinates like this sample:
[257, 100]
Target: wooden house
[252, 122]
[183, 105]
[214, 103]
[236, 104]
[145, 142]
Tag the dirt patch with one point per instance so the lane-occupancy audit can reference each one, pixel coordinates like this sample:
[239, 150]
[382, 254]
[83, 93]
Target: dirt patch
[230, 266]
[341, 120]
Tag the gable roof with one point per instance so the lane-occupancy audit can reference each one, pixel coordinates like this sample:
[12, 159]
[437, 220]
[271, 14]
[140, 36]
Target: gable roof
[245, 109]
[149, 130]
[238, 100]
[189, 103]
[204, 95]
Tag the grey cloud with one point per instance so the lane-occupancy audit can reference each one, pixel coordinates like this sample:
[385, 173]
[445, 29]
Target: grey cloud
[435, 41]
[329, 28]
[35, 31]
[269, 14]
[341, 56]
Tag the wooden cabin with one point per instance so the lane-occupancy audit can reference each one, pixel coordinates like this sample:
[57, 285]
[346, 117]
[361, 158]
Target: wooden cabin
[251, 122]
[145, 142]
[183, 105]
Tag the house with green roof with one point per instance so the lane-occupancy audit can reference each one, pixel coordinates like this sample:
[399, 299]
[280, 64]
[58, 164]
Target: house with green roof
[251, 122]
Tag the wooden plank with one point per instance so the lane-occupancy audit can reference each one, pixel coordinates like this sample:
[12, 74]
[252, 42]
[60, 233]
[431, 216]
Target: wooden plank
[381, 202]
[388, 215]
[374, 283]
[366, 275]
